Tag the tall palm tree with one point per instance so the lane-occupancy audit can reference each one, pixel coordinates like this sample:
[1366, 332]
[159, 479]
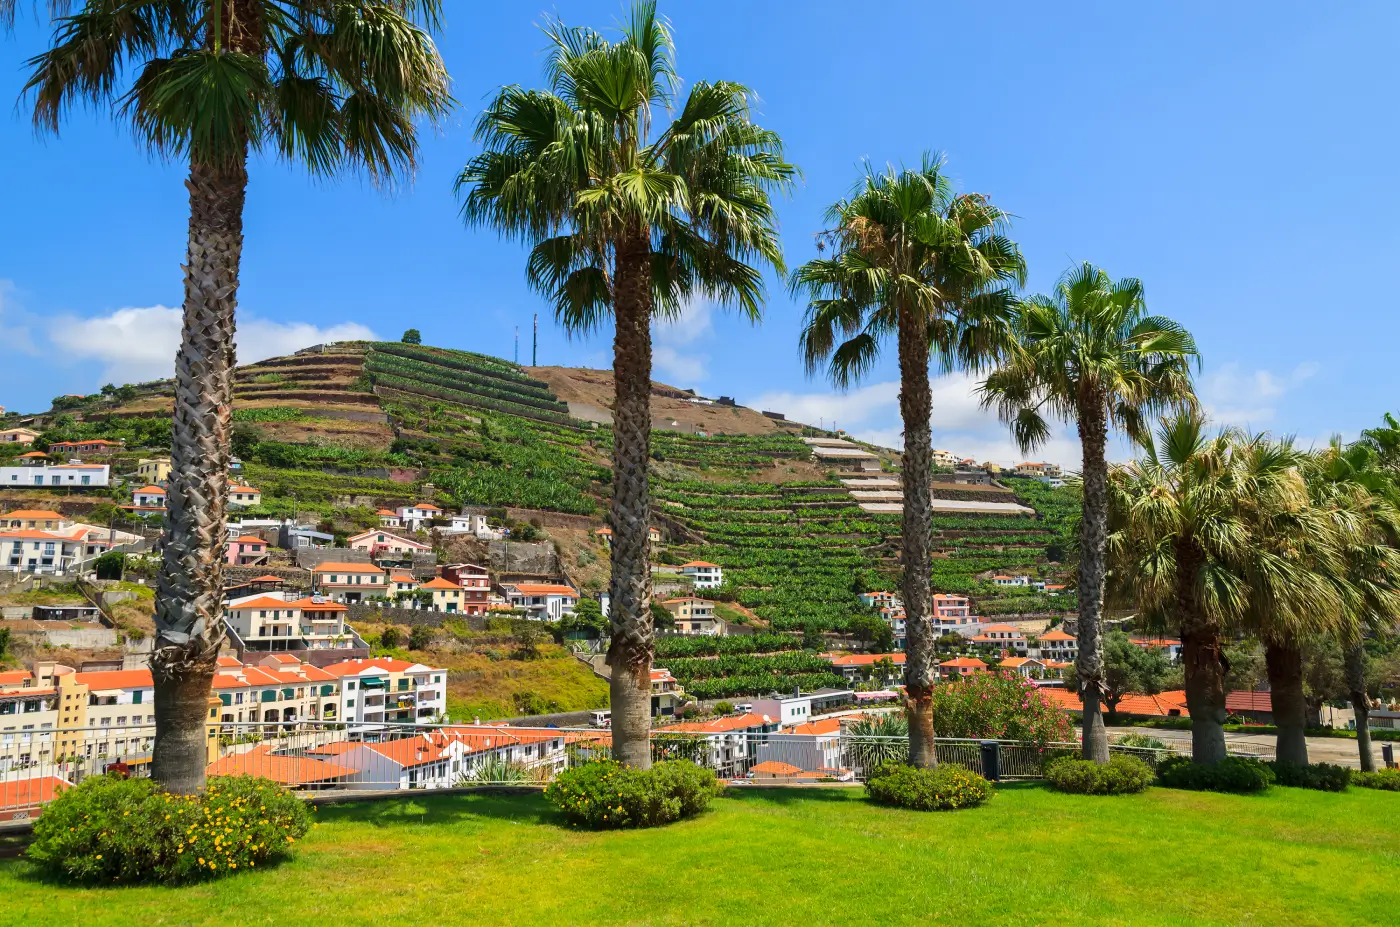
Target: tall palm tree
[1090, 354]
[327, 84]
[1358, 486]
[629, 222]
[913, 260]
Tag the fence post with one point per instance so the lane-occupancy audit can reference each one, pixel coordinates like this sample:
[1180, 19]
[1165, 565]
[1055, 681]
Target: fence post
[991, 760]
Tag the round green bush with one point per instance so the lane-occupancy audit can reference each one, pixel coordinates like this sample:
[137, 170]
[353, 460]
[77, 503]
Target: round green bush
[1325, 777]
[113, 830]
[1121, 775]
[1386, 780]
[606, 794]
[1142, 741]
[944, 788]
[1232, 774]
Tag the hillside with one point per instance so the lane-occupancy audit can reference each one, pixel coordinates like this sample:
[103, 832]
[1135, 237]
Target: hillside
[348, 428]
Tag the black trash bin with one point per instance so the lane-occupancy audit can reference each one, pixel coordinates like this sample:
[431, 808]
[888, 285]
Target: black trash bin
[991, 760]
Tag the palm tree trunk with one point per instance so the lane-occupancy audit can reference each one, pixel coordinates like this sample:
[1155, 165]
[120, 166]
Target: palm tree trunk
[1360, 704]
[916, 467]
[1202, 660]
[189, 588]
[1290, 709]
[631, 650]
[1093, 543]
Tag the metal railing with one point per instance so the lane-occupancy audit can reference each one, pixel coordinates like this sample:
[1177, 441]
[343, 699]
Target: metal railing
[319, 756]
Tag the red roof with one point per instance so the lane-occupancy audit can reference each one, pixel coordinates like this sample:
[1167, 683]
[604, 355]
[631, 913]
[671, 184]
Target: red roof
[964, 661]
[1057, 635]
[824, 726]
[776, 768]
[248, 539]
[23, 793]
[14, 677]
[288, 770]
[544, 589]
[440, 583]
[720, 725]
[700, 563]
[1249, 701]
[33, 514]
[375, 664]
[865, 659]
[269, 578]
[151, 491]
[116, 679]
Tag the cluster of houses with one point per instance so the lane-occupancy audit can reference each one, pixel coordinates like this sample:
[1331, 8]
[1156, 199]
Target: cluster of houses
[47, 542]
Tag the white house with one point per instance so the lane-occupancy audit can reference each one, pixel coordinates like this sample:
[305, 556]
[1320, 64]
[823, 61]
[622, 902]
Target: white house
[267, 623]
[1002, 579]
[49, 476]
[1057, 646]
[33, 550]
[380, 689]
[350, 582]
[241, 495]
[381, 543]
[473, 524]
[417, 515]
[148, 497]
[704, 575]
[544, 601]
[388, 519]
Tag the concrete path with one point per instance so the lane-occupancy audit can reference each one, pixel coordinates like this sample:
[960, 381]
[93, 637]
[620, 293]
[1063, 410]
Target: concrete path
[1320, 749]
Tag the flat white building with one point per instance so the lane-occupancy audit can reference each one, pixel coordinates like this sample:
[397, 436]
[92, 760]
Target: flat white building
[52, 476]
[704, 575]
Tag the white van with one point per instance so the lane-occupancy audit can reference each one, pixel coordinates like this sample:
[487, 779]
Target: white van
[602, 719]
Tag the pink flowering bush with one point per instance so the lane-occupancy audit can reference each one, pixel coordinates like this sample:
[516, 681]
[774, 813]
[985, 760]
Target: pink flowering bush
[1001, 706]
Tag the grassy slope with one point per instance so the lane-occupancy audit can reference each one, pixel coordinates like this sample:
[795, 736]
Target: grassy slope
[801, 857]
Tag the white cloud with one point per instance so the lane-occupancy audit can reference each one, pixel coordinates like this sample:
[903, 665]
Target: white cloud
[138, 344]
[675, 353]
[863, 406]
[1233, 396]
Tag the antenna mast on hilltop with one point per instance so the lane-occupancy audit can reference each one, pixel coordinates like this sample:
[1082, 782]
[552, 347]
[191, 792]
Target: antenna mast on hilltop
[517, 344]
[535, 349]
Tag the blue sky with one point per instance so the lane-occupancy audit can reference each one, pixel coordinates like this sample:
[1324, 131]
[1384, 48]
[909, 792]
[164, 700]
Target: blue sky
[1239, 158]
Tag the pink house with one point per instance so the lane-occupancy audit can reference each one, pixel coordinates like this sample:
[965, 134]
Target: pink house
[246, 551]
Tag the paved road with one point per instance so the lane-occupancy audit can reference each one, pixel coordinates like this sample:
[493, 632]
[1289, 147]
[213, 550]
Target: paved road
[1320, 749]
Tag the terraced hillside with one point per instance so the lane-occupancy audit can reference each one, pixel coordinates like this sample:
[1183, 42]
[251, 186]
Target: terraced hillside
[348, 428]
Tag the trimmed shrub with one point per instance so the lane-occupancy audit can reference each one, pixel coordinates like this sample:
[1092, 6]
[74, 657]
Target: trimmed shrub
[1386, 780]
[1232, 774]
[1325, 777]
[606, 794]
[111, 830]
[945, 788]
[1121, 775]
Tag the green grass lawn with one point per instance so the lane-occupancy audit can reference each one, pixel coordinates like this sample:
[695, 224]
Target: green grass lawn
[799, 857]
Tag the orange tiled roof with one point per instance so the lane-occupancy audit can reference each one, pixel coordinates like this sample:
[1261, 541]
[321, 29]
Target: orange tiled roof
[776, 768]
[824, 726]
[14, 677]
[288, 770]
[700, 563]
[964, 661]
[34, 514]
[23, 792]
[720, 725]
[116, 679]
[440, 583]
[339, 567]
[263, 601]
[373, 664]
[248, 539]
[1056, 635]
[866, 659]
[152, 490]
[544, 589]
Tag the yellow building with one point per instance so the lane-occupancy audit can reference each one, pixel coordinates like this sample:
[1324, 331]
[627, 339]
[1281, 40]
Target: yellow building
[153, 469]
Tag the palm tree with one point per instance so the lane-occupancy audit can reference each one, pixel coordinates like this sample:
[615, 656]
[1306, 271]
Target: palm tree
[1293, 567]
[933, 269]
[629, 223]
[1358, 485]
[328, 85]
[1089, 353]
[1180, 548]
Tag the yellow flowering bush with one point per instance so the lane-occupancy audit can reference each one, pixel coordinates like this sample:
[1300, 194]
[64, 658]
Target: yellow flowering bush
[606, 794]
[944, 788]
[111, 830]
